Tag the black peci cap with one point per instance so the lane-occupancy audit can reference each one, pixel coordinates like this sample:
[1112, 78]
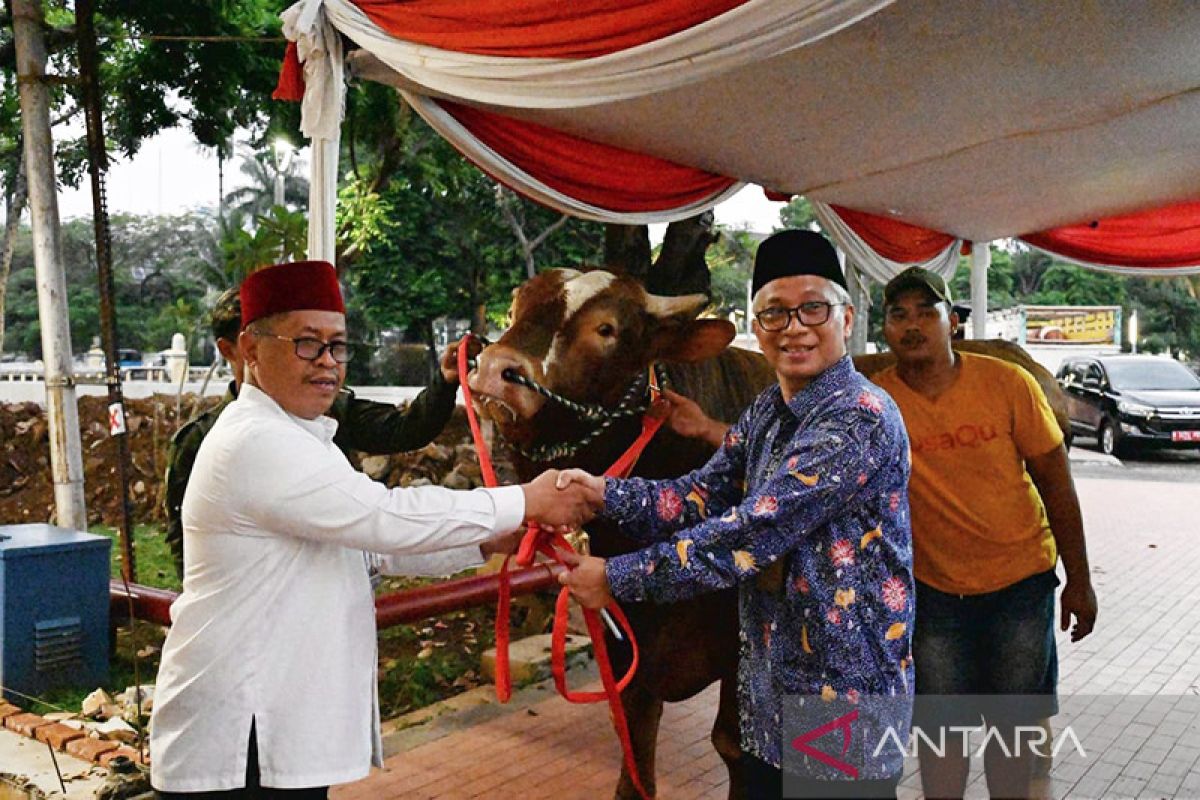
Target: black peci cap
[796, 252]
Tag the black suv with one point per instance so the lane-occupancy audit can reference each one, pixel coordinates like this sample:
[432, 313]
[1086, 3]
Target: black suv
[1127, 401]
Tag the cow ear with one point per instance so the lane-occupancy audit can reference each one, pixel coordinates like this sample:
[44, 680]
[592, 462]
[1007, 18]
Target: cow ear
[691, 340]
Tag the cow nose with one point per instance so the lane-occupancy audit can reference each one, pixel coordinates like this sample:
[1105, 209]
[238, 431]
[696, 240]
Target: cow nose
[497, 368]
[494, 377]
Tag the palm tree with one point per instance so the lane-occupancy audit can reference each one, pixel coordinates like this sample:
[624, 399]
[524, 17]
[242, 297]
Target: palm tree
[257, 198]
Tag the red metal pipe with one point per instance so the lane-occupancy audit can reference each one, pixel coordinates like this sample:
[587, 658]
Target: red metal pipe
[149, 604]
[410, 605]
[440, 598]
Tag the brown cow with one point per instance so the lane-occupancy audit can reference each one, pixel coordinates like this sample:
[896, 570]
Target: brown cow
[588, 337]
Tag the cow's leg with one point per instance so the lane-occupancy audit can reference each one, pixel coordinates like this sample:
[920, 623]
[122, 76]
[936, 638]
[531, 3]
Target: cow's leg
[726, 737]
[643, 711]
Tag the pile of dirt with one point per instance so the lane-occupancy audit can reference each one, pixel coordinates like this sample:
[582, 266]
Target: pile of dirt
[27, 490]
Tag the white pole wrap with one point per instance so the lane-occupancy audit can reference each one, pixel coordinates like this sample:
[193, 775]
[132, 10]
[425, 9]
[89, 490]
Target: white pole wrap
[981, 259]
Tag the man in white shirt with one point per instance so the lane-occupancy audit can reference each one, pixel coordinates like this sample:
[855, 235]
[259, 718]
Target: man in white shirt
[267, 683]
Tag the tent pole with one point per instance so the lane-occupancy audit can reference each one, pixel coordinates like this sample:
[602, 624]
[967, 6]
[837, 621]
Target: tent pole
[861, 297]
[981, 259]
[62, 413]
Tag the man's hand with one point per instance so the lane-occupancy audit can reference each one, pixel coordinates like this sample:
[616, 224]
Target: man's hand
[449, 362]
[688, 419]
[502, 544]
[559, 509]
[592, 484]
[1078, 600]
[587, 580]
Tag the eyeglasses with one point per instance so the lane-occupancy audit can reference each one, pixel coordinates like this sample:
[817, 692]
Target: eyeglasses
[311, 349]
[812, 313]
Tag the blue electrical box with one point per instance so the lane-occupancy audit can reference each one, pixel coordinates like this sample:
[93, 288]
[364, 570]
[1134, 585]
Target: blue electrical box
[53, 609]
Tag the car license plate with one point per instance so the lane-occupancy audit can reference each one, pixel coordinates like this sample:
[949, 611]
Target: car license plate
[1185, 436]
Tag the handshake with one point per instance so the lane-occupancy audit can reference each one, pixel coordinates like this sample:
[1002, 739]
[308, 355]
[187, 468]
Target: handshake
[563, 500]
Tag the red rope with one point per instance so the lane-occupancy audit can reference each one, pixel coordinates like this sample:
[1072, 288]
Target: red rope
[537, 541]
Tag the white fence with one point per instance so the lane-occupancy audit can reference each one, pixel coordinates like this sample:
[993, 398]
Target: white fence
[22, 383]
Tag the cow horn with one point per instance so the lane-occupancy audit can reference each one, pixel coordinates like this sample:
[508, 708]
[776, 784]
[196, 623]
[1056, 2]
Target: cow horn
[663, 307]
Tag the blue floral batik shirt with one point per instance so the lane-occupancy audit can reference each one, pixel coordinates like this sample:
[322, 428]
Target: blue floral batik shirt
[805, 508]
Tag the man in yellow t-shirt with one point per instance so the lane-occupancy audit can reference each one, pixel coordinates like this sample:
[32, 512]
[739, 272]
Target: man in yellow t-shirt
[993, 508]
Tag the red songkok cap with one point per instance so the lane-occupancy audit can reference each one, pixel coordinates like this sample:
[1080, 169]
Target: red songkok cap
[302, 285]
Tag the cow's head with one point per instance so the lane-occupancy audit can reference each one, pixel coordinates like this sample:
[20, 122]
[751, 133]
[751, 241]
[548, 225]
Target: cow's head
[585, 336]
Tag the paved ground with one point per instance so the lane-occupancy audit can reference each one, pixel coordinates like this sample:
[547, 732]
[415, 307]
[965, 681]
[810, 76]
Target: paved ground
[1140, 731]
[1132, 689]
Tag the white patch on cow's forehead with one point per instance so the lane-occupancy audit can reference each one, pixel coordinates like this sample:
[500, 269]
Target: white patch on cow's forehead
[578, 289]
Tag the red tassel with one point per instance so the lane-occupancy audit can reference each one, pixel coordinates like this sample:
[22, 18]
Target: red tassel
[777, 196]
[291, 77]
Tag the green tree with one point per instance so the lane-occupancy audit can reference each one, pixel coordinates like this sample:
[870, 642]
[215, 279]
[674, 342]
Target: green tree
[731, 264]
[798, 213]
[257, 198]
[444, 247]
[209, 65]
[159, 268]
[280, 235]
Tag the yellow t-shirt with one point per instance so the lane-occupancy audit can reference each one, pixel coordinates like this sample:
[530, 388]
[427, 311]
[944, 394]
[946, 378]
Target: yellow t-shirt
[978, 521]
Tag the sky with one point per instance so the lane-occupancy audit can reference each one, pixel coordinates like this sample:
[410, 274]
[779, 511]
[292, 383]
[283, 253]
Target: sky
[171, 174]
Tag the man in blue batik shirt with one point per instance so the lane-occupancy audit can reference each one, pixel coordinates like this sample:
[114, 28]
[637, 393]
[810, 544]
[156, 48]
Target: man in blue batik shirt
[804, 507]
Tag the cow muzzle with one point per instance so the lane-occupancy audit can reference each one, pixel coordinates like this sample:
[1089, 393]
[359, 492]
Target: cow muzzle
[496, 395]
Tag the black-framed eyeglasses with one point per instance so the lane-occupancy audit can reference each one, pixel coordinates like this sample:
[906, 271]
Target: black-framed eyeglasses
[812, 313]
[310, 348]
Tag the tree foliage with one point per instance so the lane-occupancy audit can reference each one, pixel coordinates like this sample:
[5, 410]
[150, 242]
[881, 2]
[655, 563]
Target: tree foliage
[731, 264]
[444, 246]
[161, 270]
[798, 213]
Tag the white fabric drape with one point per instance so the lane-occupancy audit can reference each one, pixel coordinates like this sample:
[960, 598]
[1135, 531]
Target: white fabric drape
[880, 269]
[319, 48]
[1153, 272]
[756, 30]
[749, 33]
[512, 175]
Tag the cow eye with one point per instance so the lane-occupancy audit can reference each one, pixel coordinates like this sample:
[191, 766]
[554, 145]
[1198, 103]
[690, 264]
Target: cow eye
[606, 329]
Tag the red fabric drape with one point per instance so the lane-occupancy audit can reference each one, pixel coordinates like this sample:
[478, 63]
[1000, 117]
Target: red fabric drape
[291, 77]
[604, 176]
[891, 238]
[541, 28]
[1163, 237]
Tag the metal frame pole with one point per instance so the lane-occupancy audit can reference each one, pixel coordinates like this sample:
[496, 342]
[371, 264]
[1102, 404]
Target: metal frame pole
[85, 31]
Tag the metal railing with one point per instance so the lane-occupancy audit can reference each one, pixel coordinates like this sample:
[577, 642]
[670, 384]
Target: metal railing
[95, 376]
[398, 608]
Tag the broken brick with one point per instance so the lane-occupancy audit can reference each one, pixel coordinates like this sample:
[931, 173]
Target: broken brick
[26, 724]
[89, 748]
[127, 752]
[57, 734]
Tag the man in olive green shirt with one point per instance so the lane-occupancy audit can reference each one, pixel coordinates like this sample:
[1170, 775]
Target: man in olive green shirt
[363, 425]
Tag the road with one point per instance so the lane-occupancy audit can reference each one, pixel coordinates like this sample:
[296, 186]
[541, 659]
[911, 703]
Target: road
[1168, 466]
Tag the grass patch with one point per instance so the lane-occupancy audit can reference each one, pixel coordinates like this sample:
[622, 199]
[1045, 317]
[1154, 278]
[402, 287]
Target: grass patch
[151, 555]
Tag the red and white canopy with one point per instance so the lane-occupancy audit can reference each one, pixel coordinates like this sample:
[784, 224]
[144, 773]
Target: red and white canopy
[913, 125]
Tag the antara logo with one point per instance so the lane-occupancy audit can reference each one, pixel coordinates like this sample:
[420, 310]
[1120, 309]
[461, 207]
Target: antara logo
[802, 744]
[1031, 738]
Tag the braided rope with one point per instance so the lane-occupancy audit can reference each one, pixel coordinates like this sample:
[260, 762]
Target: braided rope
[602, 416]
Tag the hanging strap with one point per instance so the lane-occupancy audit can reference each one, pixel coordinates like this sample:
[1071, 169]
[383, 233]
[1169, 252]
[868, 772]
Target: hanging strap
[549, 545]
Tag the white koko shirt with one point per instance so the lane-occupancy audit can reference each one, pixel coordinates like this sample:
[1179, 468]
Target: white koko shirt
[276, 622]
